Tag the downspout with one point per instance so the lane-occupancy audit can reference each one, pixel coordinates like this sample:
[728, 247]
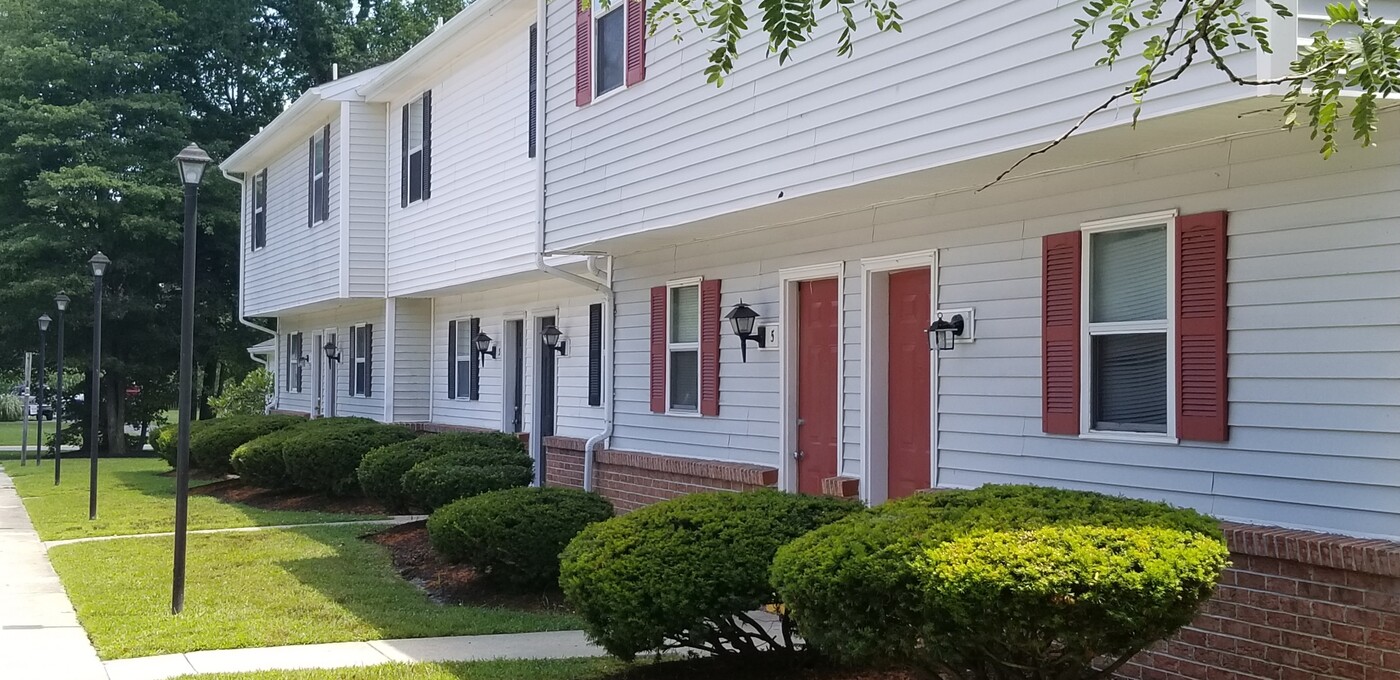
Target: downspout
[604, 287]
[243, 270]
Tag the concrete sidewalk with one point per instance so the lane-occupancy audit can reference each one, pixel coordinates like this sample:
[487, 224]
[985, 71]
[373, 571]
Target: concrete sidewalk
[39, 633]
[561, 645]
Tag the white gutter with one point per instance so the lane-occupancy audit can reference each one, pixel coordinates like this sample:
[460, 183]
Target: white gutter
[243, 261]
[609, 397]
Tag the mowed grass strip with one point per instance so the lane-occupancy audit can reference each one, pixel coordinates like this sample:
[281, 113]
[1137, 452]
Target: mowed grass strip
[134, 496]
[262, 589]
[567, 669]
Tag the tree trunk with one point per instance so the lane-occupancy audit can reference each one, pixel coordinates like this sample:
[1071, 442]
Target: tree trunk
[212, 377]
[114, 411]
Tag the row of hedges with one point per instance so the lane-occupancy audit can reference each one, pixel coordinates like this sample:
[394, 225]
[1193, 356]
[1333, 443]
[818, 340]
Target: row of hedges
[998, 582]
[433, 471]
[314, 455]
[212, 442]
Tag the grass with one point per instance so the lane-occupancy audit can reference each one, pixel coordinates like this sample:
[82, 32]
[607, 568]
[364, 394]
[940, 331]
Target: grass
[135, 496]
[567, 669]
[275, 587]
[12, 434]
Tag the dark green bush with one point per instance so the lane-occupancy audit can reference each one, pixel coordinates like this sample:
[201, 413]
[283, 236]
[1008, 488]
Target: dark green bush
[212, 442]
[382, 470]
[163, 442]
[326, 459]
[685, 572]
[1000, 582]
[438, 481]
[260, 462]
[515, 536]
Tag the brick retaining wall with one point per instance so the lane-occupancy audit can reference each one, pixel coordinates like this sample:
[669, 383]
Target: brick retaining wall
[631, 480]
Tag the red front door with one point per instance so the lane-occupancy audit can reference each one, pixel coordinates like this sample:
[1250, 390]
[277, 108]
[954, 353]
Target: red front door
[908, 410]
[817, 391]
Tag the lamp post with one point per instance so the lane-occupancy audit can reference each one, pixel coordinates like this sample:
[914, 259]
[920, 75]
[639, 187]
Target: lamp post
[61, 301]
[99, 263]
[44, 322]
[332, 358]
[191, 163]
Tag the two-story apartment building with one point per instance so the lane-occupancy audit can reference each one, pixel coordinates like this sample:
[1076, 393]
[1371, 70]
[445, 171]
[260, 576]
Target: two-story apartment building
[1197, 309]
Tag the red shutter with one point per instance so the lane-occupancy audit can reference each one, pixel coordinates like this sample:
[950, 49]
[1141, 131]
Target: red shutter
[583, 52]
[1060, 296]
[636, 41]
[658, 349]
[1202, 406]
[709, 347]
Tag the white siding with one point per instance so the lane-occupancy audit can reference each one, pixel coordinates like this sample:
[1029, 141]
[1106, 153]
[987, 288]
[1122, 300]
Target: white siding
[339, 321]
[954, 85]
[480, 220]
[1314, 318]
[413, 340]
[301, 264]
[364, 270]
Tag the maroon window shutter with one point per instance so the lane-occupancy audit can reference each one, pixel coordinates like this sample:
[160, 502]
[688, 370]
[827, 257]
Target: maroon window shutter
[658, 349]
[583, 52]
[709, 347]
[1060, 298]
[636, 41]
[1202, 403]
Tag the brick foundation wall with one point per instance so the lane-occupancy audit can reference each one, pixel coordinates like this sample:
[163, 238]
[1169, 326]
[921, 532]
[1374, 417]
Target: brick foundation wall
[1295, 605]
[632, 480]
[439, 428]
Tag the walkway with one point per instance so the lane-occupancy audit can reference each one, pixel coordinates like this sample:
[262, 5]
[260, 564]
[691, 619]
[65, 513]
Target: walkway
[562, 645]
[394, 521]
[39, 633]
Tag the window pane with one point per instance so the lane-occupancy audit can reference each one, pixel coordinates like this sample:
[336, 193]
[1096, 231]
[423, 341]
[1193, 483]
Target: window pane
[610, 49]
[415, 176]
[415, 124]
[1130, 275]
[685, 380]
[362, 342]
[685, 314]
[464, 378]
[320, 153]
[1130, 382]
[359, 378]
[465, 342]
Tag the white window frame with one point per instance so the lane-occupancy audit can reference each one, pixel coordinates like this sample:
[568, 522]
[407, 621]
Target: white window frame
[298, 367]
[464, 356]
[359, 356]
[321, 148]
[423, 137]
[259, 181]
[598, 13]
[1088, 330]
[672, 347]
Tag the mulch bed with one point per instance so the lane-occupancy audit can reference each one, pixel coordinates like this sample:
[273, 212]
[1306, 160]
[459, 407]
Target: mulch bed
[449, 583]
[237, 491]
[766, 667]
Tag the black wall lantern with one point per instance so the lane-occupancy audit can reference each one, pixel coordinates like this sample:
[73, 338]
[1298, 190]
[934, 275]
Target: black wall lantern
[943, 334]
[554, 339]
[332, 352]
[742, 319]
[483, 344]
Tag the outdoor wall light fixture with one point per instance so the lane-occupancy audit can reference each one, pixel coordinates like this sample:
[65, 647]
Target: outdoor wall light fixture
[943, 334]
[332, 352]
[554, 339]
[742, 319]
[484, 346]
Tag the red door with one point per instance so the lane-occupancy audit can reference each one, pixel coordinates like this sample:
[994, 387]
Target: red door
[817, 356]
[908, 410]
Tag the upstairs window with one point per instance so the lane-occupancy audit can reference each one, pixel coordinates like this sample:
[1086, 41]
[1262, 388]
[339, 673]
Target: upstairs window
[610, 48]
[260, 210]
[319, 172]
[416, 163]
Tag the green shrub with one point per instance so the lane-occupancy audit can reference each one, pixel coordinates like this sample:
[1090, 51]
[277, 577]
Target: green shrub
[325, 459]
[246, 397]
[685, 572]
[260, 462]
[516, 535]
[11, 408]
[212, 442]
[163, 441]
[1002, 581]
[438, 481]
[382, 470]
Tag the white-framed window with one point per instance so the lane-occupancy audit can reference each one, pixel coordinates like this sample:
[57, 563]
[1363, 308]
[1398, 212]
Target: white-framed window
[416, 134]
[320, 175]
[260, 210]
[466, 363]
[295, 365]
[360, 341]
[683, 347]
[609, 47]
[1128, 355]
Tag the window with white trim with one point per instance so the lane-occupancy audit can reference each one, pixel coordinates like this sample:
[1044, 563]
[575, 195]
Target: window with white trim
[295, 364]
[683, 348]
[609, 47]
[359, 368]
[260, 210]
[1128, 283]
[320, 176]
[416, 135]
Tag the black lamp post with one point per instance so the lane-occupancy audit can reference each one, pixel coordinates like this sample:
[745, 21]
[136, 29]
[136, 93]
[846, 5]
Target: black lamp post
[332, 358]
[554, 339]
[99, 264]
[742, 319]
[61, 301]
[191, 163]
[483, 342]
[943, 334]
[43, 368]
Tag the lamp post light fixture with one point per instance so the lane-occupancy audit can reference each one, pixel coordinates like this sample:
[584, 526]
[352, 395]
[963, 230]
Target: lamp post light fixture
[44, 322]
[742, 319]
[191, 163]
[60, 301]
[483, 344]
[99, 264]
[332, 358]
[943, 334]
[554, 339]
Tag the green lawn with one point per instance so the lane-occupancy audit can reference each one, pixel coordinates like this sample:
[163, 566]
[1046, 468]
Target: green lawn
[568, 669]
[11, 434]
[135, 496]
[274, 587]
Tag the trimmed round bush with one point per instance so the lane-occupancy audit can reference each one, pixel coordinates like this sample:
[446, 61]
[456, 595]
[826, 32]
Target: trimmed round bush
[515, 536]
[994, 581]
[382, 470]
[212, 442]
[326, 459]
[685, 572]
[438, 481]
[260, 463]
[163, 442]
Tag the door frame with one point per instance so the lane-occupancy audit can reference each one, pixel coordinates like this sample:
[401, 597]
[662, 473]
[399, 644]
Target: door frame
[318, 372]
[534, 350]
[789, 337]
[510, 386]
[874, 384]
